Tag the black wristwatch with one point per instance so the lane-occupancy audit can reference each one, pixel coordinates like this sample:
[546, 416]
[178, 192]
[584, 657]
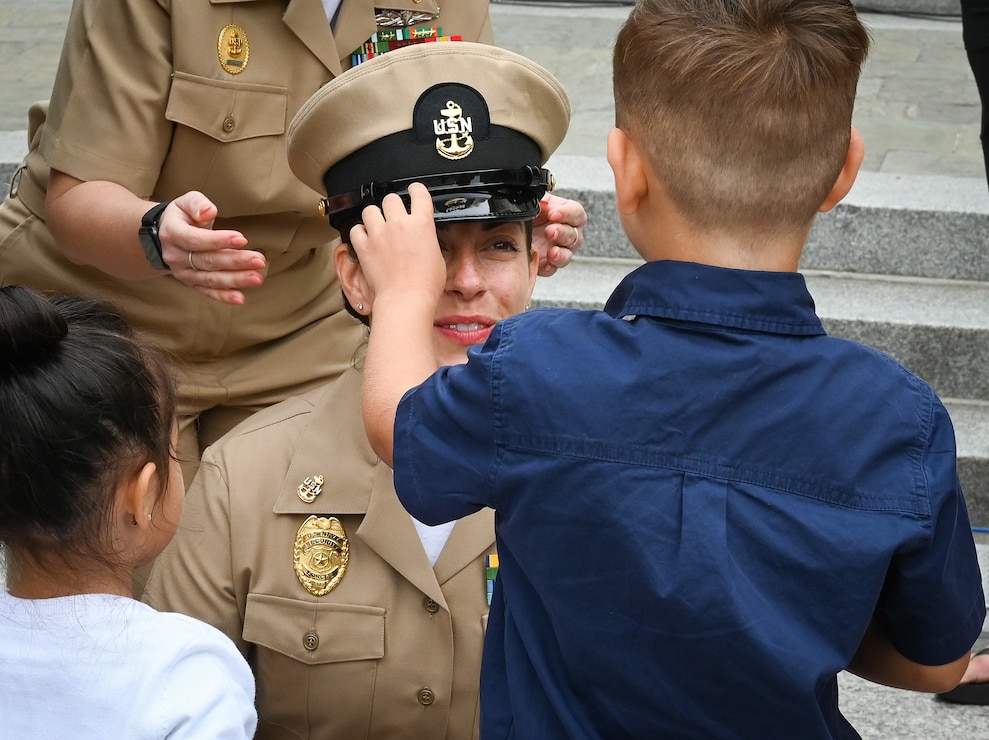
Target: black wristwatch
[148, 234]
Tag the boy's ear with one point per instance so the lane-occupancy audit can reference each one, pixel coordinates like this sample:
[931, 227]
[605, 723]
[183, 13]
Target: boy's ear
[849, 171]
[352, 278]
[629, 168]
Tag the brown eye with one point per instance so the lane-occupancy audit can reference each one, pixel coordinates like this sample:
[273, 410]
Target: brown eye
[504, 245]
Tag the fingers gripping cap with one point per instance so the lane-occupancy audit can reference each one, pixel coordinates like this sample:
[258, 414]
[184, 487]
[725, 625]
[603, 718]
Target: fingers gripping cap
[474, 123]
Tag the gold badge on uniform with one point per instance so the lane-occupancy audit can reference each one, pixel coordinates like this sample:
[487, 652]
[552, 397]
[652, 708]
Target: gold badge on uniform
[310, 488]
[453, 132]
[233, 49]
[321, 554]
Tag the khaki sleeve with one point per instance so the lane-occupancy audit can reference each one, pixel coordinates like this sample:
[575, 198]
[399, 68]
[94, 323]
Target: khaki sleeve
[194, 575]
[106, 118]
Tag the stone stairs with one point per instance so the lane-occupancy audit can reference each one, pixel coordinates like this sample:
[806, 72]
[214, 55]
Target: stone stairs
[897, 269]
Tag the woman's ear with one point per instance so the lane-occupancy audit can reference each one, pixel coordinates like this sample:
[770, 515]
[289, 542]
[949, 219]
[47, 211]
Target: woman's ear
[352, 279]
[849, 171]
[628, 166]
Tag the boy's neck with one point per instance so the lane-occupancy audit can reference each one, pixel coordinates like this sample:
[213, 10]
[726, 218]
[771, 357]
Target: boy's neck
[668, 236]
[725, 252]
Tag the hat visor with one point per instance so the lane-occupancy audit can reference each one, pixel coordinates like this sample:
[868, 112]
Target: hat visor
[489, 195]
[504, 204]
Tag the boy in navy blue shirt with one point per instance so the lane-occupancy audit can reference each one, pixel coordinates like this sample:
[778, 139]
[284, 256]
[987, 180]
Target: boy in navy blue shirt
[706, 508]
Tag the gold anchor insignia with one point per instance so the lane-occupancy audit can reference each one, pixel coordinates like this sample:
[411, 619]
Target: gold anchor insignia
[459, 143]
[321, 554]
[233, 49]
[310, 488]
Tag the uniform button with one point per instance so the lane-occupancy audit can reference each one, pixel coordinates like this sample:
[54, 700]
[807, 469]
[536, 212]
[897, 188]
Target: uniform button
[426, 696]
[311, 640]
[431, 606]
[228, 124]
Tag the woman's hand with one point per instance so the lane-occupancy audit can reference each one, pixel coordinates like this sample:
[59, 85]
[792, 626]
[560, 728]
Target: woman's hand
[96, 223]
[557, 232]
[212, 262]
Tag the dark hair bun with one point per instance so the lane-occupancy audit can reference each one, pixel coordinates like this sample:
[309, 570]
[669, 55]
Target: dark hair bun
[84, 404]
[30, 328]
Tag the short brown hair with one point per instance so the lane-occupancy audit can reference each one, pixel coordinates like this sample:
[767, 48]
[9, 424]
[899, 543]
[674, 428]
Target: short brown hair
[743, 107]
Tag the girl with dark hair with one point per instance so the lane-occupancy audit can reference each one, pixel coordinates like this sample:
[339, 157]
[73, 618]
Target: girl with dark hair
[89, 492]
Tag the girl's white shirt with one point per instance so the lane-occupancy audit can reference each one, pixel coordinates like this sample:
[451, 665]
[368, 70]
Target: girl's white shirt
[99, 666]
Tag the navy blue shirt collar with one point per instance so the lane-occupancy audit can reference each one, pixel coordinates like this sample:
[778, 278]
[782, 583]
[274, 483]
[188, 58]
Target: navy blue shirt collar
[773, 302]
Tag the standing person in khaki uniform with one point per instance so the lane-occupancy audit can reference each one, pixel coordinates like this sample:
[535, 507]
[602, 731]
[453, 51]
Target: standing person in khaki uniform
[187, 102]
[358, 621]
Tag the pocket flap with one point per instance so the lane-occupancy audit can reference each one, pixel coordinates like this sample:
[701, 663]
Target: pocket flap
[227, 111]
[342, 631]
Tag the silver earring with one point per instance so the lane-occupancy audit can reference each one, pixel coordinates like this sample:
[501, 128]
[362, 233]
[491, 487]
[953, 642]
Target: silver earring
[360, 306]
[526, 306]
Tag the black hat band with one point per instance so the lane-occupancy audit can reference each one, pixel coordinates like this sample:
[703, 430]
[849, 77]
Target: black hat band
[497, 194]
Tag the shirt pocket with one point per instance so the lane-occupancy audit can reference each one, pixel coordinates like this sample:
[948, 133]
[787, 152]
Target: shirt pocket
[228, 141]
[300, 649]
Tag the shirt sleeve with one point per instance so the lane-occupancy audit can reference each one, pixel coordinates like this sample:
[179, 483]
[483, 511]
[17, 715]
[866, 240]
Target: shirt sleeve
[932, 604]
[194, 574]
[114, 78]
[445, 450]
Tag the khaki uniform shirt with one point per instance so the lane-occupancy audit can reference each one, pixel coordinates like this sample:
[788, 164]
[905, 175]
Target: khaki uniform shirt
[393, 650]
[141, 99]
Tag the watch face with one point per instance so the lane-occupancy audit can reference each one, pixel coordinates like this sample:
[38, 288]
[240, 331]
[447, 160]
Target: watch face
[148, 234]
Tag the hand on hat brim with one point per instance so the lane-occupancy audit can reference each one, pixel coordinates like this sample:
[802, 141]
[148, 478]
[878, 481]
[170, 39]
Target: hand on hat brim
[406, 273]
[557, 232]
[398, 250]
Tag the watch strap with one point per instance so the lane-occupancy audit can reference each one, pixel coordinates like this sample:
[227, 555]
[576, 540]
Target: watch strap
[149, 235]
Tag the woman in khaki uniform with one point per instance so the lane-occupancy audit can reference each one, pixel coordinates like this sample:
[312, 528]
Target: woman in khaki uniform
[188, 101]
[358, 621]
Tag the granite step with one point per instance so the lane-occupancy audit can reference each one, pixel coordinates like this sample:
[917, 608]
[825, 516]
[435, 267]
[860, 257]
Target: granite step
[932, 226]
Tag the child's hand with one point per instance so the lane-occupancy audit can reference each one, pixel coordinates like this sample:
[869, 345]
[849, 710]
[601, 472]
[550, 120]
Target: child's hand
[405, 274]
[398, 250]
